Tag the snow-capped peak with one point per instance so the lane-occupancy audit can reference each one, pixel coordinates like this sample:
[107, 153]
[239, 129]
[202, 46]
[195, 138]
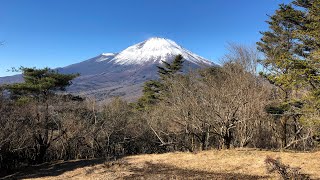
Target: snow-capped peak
[155, 44]
[155, 50]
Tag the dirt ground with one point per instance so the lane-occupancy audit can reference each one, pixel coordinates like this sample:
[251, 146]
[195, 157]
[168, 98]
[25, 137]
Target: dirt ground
[225, 164]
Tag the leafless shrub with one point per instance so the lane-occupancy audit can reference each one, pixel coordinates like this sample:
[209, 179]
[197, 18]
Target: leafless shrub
[285, 171]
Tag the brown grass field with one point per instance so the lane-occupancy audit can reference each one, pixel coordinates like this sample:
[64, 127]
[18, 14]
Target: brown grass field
[213, 164]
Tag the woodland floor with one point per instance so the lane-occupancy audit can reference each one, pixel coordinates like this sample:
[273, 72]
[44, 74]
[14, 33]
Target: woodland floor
[225, 164]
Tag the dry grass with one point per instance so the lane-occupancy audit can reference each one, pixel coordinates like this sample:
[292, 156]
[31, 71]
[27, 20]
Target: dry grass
[214, 164]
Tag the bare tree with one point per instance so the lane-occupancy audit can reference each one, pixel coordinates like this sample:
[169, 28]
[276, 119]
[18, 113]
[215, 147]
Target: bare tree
[221, 104]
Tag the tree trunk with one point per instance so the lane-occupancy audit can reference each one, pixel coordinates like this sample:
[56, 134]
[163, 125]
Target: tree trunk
[284, 132]
[42, 153]
[41, 149]
[205, 140]
[192, 143]
[228, 139]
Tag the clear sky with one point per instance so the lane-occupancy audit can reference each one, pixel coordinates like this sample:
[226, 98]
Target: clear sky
[56, 33]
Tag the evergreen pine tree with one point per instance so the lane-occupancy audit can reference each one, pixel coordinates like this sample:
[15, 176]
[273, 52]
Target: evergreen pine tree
[154, 89]
[291, 49]
[169, 69]
[38, 86]
[40, 83]
[308, 69]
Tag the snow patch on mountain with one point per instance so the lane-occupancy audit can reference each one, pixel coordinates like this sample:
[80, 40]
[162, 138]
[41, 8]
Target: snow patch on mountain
[105, 57]
[107, 54]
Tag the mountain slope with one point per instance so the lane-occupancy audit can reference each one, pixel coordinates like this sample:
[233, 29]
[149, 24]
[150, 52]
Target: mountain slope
[122, 74]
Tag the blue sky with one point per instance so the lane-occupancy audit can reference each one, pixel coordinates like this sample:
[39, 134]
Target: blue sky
[56, 33]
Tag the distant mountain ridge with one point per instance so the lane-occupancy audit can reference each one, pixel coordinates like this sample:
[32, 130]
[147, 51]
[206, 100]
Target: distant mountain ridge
[123, 74]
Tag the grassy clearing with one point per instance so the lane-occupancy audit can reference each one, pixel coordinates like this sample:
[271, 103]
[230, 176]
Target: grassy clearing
[214, 164]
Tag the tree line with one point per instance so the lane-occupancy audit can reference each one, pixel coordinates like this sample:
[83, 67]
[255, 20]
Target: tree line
[219, 107]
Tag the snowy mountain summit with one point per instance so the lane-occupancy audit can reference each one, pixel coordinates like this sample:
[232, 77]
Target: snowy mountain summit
[156, 50]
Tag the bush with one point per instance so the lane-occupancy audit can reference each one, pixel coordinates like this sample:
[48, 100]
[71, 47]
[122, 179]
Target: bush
[285, 171]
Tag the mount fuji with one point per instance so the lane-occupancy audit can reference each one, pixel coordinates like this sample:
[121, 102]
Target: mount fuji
[123, 74]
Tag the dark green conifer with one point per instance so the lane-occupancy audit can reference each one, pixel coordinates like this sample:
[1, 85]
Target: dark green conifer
[38, 87]
[154, 89]
[292, 60]
[40, 83]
